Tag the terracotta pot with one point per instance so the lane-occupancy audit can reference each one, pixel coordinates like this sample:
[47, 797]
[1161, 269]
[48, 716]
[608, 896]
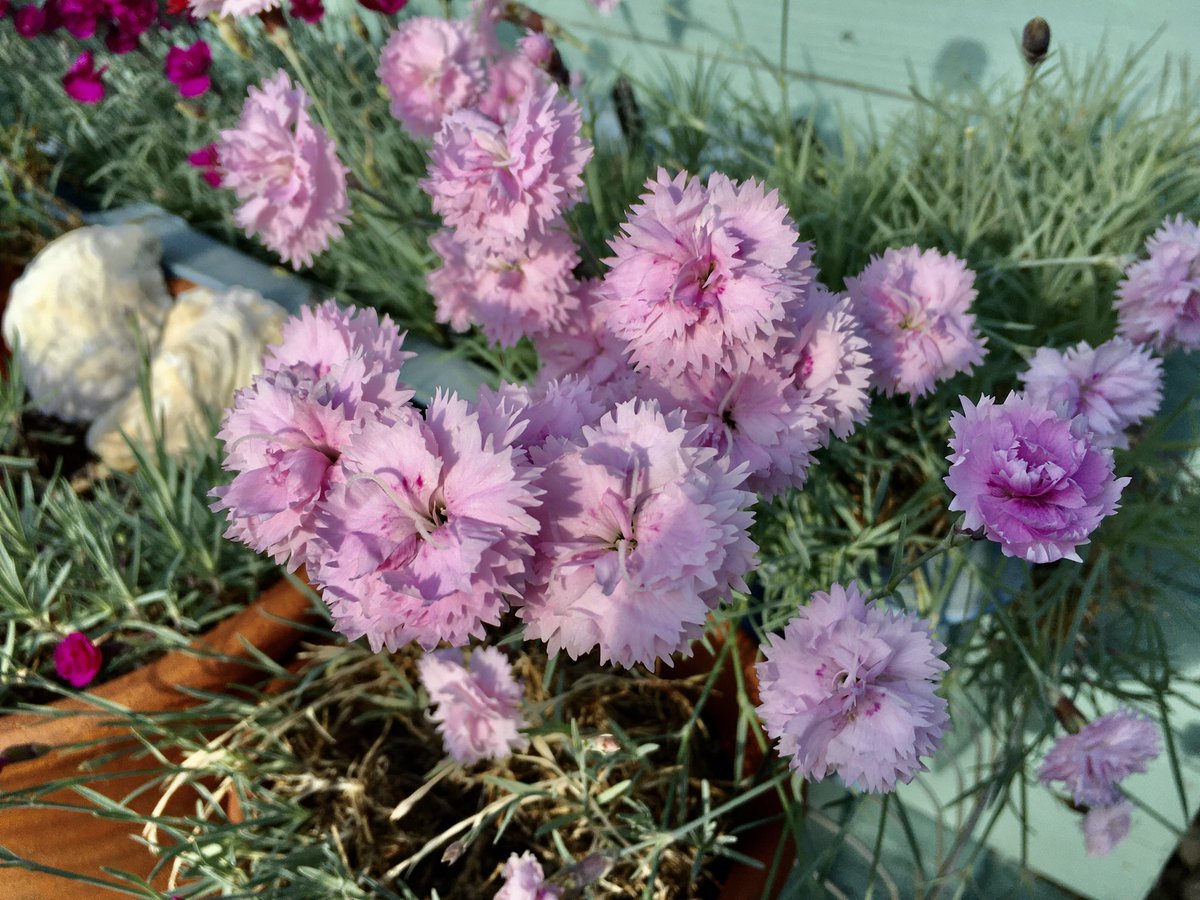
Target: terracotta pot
[761, 842]
[78, 840]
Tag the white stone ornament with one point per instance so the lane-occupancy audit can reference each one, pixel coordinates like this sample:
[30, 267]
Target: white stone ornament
[212, 344]
[77, 315]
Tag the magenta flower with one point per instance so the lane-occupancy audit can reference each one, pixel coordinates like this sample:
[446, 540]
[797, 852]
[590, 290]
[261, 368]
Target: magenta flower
[77, 660]
[430, 68]
[1158, 303]
[80, 17]
[29, 21]
[310, 11]
[701, 275]
[525, 880]
[1092, 763]
[83, 82]
[850, 688]
[643, 533]
[187, 68]
[1113, 386]
[914, 308]
[1036, 482]
[206, 160]
[478, 708]
[498, 182]
[1106, 826]
[511, 291]
[285, 171]
[428, 534]
[385, 7]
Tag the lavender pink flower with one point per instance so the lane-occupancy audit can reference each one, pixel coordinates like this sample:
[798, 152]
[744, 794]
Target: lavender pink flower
[77, 660]
[701, 274]
[510, 290]
[510, 78]
[187, 68]
[585, 346]
[1158, 302]
[525, 880]
[643, 533]
[430, 68]
[1106, 826]
[427, 536]
[850, 688]
[478, 706]
[1034, 481]
[83, 82]
[1093, 762]
[285, 171]
[914, 307]
[497, 182]
[1114, 386]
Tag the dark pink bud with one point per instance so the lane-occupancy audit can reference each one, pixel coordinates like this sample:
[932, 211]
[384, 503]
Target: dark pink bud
[207, 161]
[29, 21]
[76, 659]
[310, 11]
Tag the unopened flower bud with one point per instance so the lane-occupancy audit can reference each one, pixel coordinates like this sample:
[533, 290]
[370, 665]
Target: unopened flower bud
[1035, 40]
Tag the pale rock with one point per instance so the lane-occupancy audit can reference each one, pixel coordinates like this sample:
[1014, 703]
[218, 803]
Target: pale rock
[80, 311]
[212, 344]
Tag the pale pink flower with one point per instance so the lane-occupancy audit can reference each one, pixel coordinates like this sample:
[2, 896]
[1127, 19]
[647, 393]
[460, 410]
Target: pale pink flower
[537, 48]
[1106, 826]
[850, 688]
[585, 346]
[430, 68]
[484, 17]
[511, 78]
[427, 535]
[559, 408]
[1034, 481]
[499, 181]
[915, 310]
[1113, 386]
[201, 9]
[643, 533]
[525, 880]
[478, 706]
[1158, 302]
[701, 275]
[833, 367]
[1093, 762]
[510, 290]
[285, 171]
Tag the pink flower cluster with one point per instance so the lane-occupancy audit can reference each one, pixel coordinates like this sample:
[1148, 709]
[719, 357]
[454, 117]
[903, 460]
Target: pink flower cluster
[1158, 303]
[478, 706]
[850, 688]
[1035, 481]
[914, 309]
[285, 171]
[525, 880]
[1092, 763]
[608, 527]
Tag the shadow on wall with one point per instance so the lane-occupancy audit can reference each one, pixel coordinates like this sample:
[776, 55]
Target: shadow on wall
[960, 65]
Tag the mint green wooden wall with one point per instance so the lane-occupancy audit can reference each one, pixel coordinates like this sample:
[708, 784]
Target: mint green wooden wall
[882, 44]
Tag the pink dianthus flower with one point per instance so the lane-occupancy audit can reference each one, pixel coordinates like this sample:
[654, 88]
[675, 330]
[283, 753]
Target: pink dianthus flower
[430, 68]
[77, 660]
[510, 290]
[914, 307]
[1158, 302]
[84, 83]
[525, 880]
[1106, 826]
[850, 688]
[1113, 386]
[1036, 482]
[701, 274]
[1093, 762]
[559, 408]
[511, 78]
[499, 181]
[643, 533]
[478, 706]
[285, 435]
[187, 68]
[285, 171]
[428, 534]
[585, 346]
